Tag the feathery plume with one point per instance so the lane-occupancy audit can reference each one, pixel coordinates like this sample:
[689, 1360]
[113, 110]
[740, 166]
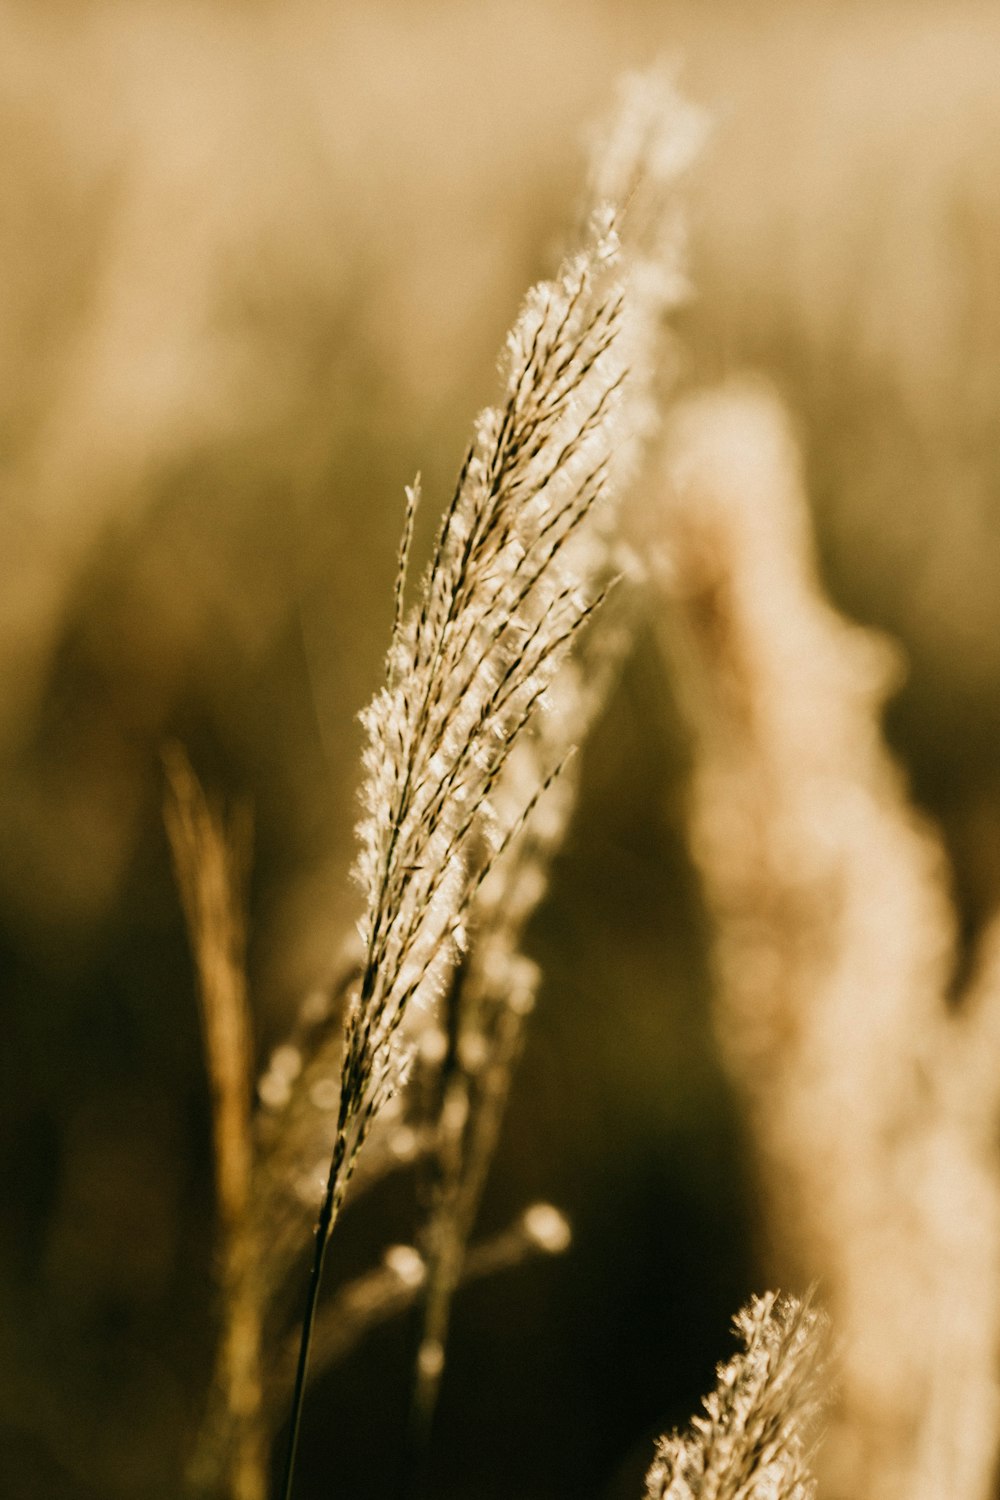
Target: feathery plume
[507, 590]
[639, 156]
[513, 578]
[753, 1441]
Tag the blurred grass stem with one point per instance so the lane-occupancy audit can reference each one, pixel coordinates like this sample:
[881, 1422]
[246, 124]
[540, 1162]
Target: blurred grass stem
[211, 857]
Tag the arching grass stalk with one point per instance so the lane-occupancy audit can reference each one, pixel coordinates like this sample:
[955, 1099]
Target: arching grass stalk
[513, 577]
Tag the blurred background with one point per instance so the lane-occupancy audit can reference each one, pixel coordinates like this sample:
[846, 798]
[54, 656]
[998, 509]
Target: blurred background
[257, 261]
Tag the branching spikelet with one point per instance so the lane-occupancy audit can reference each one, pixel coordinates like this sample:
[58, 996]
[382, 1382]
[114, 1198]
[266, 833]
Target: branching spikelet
[753, 1441]
[384, 1292]
[509, 586]
[493, 992]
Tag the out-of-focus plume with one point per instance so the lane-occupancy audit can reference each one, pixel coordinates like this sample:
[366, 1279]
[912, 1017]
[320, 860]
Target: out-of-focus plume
[753, 1441]
[640, 157]
[872, 1102]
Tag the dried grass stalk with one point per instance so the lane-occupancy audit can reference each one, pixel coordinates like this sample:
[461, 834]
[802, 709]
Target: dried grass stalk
[640, 156]
[211, 862]
[512, 580]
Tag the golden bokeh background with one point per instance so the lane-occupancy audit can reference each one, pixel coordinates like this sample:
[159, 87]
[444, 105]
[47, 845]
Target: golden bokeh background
[257, 261]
